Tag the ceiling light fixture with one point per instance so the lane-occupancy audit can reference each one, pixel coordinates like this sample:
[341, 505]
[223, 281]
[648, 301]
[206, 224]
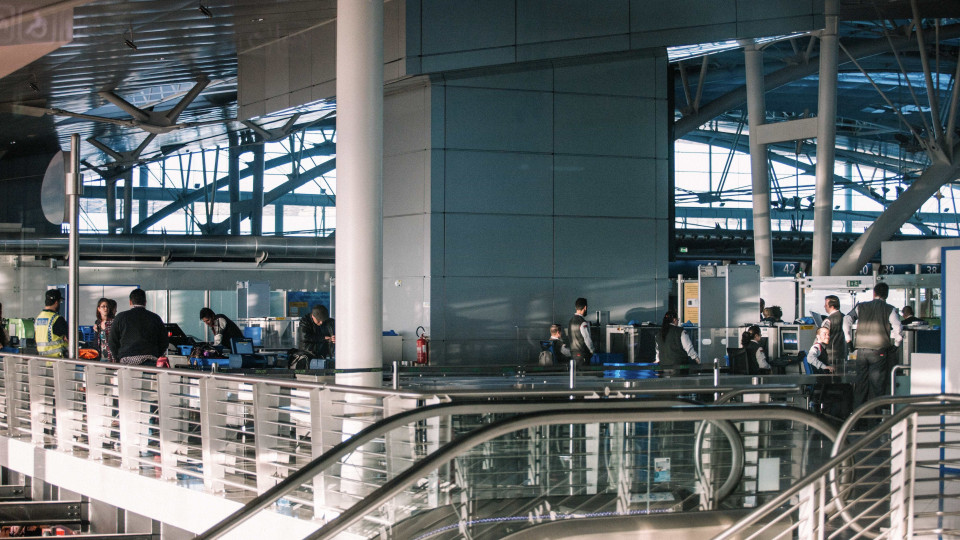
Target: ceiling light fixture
[205, 10]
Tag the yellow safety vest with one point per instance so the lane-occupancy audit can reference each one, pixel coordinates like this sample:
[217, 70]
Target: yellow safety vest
[53, 346]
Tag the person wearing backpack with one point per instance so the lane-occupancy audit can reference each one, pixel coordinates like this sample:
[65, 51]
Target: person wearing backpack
[557, 351]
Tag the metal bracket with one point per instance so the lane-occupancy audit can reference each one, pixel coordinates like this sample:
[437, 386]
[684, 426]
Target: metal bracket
[262, 258]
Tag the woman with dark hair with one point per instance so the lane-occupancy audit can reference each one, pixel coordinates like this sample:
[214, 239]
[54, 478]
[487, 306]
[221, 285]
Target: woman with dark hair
[106, 311]
[750, 340]
[674, 347]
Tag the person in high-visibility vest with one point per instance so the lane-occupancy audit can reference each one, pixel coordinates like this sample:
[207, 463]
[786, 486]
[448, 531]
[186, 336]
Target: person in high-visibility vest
[50, 328]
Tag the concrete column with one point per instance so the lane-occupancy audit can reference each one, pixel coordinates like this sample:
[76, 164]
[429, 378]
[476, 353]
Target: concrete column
[142, 183]
[756, 113]
[826, 144]
[359, 248]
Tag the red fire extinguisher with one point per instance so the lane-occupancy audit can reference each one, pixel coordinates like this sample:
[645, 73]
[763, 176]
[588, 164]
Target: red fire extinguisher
[423, 346]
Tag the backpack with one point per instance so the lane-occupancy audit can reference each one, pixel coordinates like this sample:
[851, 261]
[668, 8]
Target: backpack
[546, 357]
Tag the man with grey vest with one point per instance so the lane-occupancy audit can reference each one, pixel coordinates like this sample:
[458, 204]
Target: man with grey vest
[581, 344]
[837, 346]
[879, 333]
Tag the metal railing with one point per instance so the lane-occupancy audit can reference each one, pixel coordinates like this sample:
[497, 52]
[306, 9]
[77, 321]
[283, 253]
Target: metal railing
[239, 436]
[900, 479]
[385, 510]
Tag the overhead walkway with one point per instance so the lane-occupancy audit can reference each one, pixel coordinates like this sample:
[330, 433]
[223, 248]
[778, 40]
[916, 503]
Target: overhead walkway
[310, 459]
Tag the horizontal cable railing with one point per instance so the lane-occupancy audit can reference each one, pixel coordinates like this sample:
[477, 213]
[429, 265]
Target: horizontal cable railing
[240, 435]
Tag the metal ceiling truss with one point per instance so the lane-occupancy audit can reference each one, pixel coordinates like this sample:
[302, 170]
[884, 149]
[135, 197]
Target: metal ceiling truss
[186, 197]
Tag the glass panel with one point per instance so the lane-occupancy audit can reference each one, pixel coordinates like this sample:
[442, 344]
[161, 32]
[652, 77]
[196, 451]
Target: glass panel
[185, 309]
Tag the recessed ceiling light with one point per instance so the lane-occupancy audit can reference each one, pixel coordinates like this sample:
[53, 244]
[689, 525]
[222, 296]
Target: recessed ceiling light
[258, 19]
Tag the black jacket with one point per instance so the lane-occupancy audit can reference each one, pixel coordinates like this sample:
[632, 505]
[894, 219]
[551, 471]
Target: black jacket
[312, 337]
[137, 332]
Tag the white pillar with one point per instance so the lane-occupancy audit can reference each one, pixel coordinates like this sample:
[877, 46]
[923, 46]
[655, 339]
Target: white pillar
[826, 143]
[359, 244]
[756, 115]
[73, 251]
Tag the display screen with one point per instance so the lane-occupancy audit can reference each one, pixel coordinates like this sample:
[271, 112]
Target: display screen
[790, 341]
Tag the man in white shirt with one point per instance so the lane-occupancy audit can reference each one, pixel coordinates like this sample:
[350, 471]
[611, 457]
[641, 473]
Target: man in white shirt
[879, 334]
[581, 344]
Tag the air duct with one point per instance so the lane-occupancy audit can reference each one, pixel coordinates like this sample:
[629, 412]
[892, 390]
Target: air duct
[180, 247]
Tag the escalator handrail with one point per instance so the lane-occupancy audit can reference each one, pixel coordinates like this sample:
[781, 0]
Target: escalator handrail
[828, 468]
[466, 442]
[378, 429]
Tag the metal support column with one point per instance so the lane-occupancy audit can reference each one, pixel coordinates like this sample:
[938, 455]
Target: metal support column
[756, 113]
[73, 205]
[234, 181]
[142, 203]
[278, 220]
[127, 201]
[256, 203]
[111, 184]
[359, 264]
[826, 144]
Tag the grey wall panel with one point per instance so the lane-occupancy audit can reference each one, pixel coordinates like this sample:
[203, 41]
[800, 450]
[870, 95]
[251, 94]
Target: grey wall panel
[625, 77]
[573, 47]
[499, 182]
[393, 47]
[250, 79]
[683, 36]
[604, 247]
[405, 122]
[299, 79]
[498, 245]
[403, 309]
[404, 183]
[277, 57]
[403, 247]
[772, 10]
[624, 299]
[605, 186]
[499, 120]
[468, 59]
[604, 125]
[450, 26]
[652, 15]
[512, 78]
[494, 308]
[560, 20]
[323, 53]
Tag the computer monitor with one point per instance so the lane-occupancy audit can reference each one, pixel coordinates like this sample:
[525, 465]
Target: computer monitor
[817, 319]
[174, 330]
[255, 333]
[789, 341]
[242, 346]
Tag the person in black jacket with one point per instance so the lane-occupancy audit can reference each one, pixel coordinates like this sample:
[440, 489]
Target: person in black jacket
[224, 330]
[674, 348]
[138, 336]
[317, 333]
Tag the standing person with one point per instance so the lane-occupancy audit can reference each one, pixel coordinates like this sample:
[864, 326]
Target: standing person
[763, 304]
[224, 330]
[138, 336]
[581, 344]
[558, 347]
[750, 340]
[819, 351]
[317, 333]
[674, 347]
[879, 333]
[106, 311]
[837, 347]
[908, 317]
[3, 329]
[50, 328]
